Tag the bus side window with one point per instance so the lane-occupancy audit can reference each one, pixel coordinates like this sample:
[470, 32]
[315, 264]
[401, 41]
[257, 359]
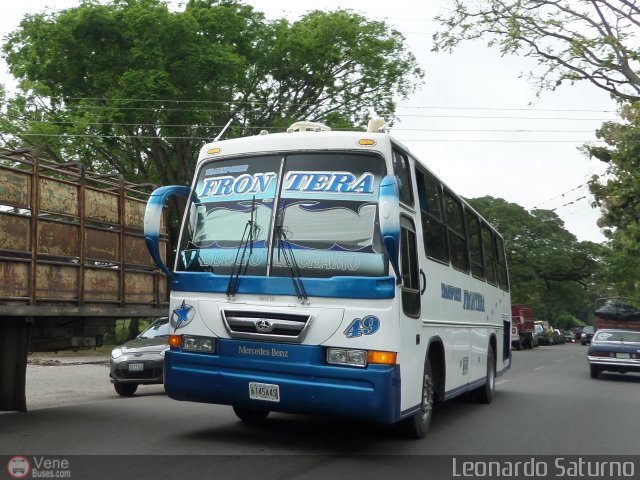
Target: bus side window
[410, 269]
[489, 248]
[434, 230]
[503, 276]
[402, 172]
[475, 244]
[457, 234]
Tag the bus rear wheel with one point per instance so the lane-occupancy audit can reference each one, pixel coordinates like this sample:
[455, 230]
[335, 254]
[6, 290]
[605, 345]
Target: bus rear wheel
[417, 425]
[485, 393]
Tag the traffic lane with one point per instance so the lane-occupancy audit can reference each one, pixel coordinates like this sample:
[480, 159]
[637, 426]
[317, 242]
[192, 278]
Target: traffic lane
[567, 411]
[63, 384]
[544, 405]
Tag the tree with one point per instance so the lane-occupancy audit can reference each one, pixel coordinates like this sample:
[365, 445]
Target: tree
[129, 86]
[593, 40]
[617, 193]
[549, 269]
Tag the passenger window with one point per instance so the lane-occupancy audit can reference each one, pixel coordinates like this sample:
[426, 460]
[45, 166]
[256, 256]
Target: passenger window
[457, 234]
[434, 230]
[501, 264]
[475, 244]
[402, 172]
[410, 269]
[489, 254]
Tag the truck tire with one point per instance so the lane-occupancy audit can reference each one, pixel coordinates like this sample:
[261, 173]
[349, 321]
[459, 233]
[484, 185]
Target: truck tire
[417, 425]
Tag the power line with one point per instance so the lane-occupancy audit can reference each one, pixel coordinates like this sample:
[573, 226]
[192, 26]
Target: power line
[562, 195]
[263, 103]
[394, 129]
[190, 137]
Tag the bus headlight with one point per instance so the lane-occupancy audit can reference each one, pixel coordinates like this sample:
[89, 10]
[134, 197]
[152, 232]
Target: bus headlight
[345, 356]
[191, 343]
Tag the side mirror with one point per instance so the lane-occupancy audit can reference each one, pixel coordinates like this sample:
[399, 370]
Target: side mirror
[153, 216]
[389, 211]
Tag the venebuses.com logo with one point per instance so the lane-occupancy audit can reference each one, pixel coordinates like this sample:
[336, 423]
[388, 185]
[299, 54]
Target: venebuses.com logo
[38, 467]
[18, 467]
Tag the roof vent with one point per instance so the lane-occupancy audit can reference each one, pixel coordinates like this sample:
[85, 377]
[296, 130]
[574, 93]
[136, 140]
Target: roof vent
[308, 127]
[377, 125]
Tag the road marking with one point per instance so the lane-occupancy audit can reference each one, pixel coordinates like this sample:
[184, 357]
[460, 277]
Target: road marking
[500, 382]
[559, 360]
[538, 368]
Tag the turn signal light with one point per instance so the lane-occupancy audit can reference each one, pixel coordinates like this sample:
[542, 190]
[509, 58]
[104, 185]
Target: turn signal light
[385, 358]
[175, 341]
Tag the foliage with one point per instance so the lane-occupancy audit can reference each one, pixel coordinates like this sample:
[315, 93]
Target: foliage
[593, 40]
[130, 87]
[549, 269]
[617, 194]
[568, 321]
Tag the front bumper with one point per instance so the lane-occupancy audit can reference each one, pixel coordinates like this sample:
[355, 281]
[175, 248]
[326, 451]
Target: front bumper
[152, 372]
[306, 383]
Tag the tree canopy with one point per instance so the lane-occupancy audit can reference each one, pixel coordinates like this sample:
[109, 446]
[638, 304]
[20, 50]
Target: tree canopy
[549, 269]
[593, 40]
[130, 86]
[617, 193]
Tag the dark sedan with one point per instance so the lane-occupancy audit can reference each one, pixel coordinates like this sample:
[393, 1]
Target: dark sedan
[140, 361]
[587, 334]
[614, 351]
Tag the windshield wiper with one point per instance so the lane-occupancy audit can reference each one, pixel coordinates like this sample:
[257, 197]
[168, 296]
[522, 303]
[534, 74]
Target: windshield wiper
[234, 277]
[290, 260]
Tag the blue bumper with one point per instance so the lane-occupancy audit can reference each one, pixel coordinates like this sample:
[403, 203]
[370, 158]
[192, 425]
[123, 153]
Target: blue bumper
[307, 384]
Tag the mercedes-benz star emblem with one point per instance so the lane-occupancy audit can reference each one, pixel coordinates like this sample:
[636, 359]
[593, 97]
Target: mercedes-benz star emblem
[263, 326]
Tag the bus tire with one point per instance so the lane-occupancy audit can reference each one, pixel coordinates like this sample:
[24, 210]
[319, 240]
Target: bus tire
[250, 415]
[417, 425]
[485, 393]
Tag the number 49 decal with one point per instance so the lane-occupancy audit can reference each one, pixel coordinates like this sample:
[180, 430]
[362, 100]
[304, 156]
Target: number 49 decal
[363, 326]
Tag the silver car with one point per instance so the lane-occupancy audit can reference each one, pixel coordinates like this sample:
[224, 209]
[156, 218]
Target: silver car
[140, 361]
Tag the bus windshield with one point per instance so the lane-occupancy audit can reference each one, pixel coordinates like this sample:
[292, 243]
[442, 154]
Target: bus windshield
[318, 211]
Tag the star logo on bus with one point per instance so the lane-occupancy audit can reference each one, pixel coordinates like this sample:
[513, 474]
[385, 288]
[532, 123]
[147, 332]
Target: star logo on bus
[182, 315]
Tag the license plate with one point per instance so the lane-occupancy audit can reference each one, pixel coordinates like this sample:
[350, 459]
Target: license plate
[623, 355]
[264, 391]
[136, 367]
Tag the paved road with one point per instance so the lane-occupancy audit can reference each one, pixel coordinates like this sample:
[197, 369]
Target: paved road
[546, 405]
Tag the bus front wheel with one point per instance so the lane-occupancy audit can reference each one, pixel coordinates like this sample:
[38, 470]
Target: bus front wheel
[417, 425]
[250, 415]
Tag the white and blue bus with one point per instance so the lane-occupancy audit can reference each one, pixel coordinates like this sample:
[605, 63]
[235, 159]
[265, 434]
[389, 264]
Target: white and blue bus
[332, 273]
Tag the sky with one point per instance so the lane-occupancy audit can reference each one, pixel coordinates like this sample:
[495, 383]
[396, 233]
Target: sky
[475, 122]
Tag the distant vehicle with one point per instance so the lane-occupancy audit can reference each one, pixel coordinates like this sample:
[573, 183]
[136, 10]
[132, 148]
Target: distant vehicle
[614, 351]
[587, 334]
[570, 336]
[522, 327]
[140, 361]
[557, 337]
[539, 334]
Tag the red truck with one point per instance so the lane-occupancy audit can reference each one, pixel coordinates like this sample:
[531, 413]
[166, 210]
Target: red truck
[522, 327]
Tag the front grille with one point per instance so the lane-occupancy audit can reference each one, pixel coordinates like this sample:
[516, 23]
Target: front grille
[282, 327]
[151, 370]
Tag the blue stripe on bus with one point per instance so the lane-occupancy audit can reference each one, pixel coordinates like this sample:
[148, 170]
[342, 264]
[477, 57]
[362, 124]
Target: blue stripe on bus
[306, 383]
[334, 287]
